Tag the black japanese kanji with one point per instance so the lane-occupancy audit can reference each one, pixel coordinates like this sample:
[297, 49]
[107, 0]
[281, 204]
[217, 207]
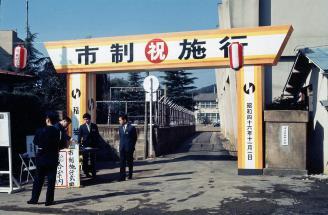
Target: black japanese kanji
[91, 104]
[76, 110]
[76, 131]
[225, 43]
[86, 52]
[118, 51]
[195, 47]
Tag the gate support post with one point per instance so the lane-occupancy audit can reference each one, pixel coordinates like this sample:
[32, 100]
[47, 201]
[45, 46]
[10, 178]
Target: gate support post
[81, 99]
[250, 85]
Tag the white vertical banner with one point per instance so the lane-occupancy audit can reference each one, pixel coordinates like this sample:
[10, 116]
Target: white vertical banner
[75, 103]
[73, 171]
[249, 117]
[61, 177]
[250, 120]
[68, 170]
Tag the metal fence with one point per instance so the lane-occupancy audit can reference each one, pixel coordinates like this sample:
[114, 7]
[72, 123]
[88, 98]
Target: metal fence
[165, 111]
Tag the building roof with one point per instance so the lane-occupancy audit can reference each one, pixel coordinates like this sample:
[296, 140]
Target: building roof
[319, 56]
[205, 97]
[324, 103]
[9, 77]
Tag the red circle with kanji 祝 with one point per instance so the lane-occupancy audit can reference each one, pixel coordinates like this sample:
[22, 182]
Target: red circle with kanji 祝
[156, 50]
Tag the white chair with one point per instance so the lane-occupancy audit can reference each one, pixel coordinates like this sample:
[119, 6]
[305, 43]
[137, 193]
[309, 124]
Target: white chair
[27, 166]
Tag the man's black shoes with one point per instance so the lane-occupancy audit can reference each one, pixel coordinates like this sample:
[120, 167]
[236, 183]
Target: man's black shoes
[49, 203]
[31, 202]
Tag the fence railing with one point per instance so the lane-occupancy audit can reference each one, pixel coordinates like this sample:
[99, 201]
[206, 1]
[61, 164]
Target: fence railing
[165, 112]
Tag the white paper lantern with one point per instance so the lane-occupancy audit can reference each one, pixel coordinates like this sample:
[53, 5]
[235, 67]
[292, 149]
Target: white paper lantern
[20, 57]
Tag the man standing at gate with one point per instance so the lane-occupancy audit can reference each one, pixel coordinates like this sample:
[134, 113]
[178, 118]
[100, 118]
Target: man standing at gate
[88, 138]
[128, 139]
[62, 127]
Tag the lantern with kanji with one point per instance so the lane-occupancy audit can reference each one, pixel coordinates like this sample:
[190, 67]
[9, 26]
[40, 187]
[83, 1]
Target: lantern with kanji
[236, 55]
[20, 57]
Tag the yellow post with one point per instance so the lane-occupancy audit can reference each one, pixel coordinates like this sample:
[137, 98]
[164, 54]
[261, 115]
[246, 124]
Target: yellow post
[250, 85]
[81, 98]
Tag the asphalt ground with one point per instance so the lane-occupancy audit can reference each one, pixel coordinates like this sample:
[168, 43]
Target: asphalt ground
[201, 178]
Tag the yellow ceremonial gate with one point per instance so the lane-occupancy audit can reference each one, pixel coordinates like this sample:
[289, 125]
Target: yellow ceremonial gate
[82, 59]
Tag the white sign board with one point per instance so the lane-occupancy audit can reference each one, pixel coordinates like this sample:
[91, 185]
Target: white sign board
[68, 170]
[4, 129]
[151, 80]
[179, 50]
[284, 135]
[61, 178]
[30, 147]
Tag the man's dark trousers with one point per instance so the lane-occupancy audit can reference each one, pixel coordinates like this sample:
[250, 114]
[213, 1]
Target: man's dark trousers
[89, 157]
[126, 157]
[42, 172]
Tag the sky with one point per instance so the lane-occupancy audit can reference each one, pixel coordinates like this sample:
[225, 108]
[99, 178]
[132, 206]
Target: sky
[56, 20]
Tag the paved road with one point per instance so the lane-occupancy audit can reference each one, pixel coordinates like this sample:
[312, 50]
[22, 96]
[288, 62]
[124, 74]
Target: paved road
[200, 179]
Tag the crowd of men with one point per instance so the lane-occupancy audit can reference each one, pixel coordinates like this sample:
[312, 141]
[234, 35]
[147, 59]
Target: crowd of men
[53, 137]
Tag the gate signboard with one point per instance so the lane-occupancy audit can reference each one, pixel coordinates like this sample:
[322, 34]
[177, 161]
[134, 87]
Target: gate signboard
[182, 50]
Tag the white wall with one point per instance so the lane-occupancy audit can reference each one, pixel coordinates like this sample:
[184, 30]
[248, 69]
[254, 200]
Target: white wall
[232, 14]
[309, 20]
[319, 121]
[6, 48]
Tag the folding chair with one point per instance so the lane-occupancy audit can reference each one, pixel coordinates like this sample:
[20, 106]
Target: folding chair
[27, 166]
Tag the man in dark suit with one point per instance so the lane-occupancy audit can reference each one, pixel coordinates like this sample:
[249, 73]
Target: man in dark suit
[128, 139]
[62, 127]
[89, 138]
[49, 144]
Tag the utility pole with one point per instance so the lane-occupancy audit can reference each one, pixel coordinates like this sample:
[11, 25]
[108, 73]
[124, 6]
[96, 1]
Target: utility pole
[27, 25]
[151, 120]
[146, 125]
[109, 117]
[0, 12]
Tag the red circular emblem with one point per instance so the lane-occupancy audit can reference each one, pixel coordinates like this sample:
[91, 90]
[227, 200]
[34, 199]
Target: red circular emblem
[156, 50]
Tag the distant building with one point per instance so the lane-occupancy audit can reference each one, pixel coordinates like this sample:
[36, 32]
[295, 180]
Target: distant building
[8, 41]
[206, 111]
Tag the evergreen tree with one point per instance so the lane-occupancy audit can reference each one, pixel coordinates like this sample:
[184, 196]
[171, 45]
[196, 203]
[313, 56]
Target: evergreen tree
[135, 79]
[49, 86]
[135, 94]
[179, 86]
[34, 56]
[118, 94]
